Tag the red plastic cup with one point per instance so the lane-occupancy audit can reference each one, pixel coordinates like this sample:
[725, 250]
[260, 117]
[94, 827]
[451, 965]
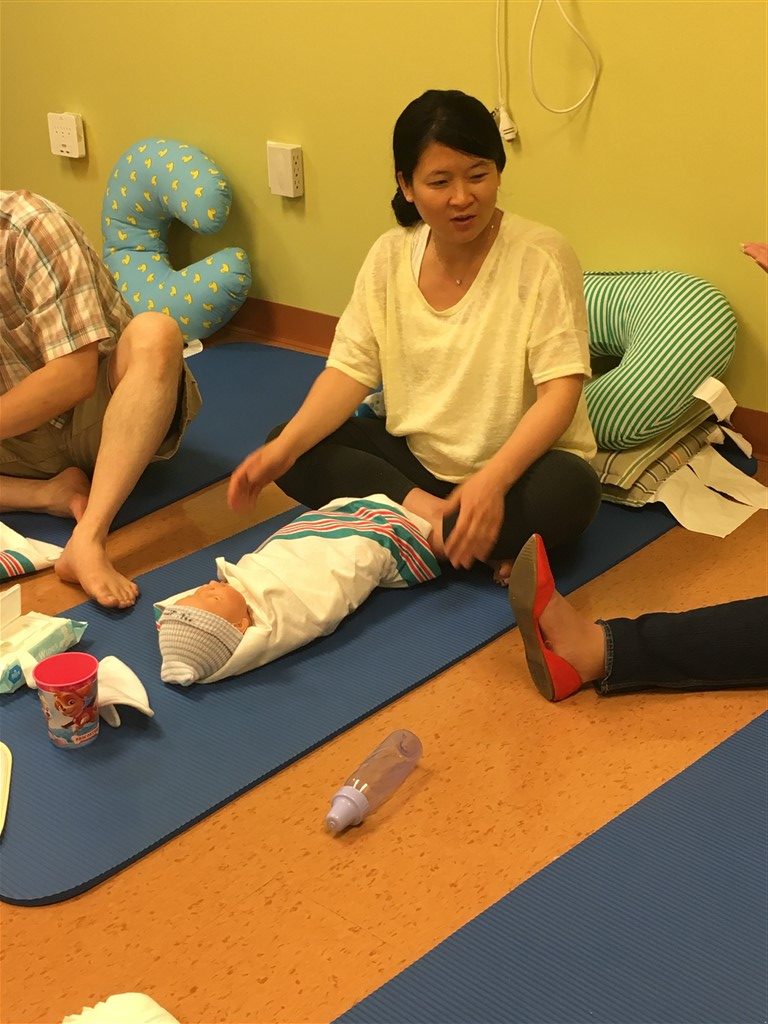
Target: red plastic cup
[67, 685]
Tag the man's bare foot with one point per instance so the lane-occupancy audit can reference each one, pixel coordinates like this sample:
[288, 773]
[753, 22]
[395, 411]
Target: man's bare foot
[574, 637]
[66, 494]
[84, 561]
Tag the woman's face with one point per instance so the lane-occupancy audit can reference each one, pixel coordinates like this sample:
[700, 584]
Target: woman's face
[455, 193]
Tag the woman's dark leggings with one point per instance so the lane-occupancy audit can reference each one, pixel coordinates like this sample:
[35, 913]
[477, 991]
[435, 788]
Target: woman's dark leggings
[557, 497]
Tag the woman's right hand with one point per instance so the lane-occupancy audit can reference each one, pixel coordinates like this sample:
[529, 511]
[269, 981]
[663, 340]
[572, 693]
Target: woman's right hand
[258, 469]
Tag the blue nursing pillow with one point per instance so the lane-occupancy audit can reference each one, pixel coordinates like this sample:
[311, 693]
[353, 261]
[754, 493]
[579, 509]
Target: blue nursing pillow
[153, 183]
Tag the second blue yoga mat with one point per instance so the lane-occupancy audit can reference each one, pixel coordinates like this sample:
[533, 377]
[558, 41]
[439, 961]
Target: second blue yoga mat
[660, 917]
[141, 784]
[247, 389]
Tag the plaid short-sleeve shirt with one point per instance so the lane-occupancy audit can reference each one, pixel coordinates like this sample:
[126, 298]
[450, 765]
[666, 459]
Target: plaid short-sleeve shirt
[56, 295]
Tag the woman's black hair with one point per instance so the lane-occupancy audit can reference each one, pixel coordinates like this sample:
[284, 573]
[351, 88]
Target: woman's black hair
[451, 118]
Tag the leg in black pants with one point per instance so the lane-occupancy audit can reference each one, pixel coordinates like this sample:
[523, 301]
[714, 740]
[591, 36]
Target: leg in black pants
[557, 497]
[722, 646]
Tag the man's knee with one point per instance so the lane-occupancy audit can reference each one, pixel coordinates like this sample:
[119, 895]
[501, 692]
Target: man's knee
[154, 339]
[151, 346]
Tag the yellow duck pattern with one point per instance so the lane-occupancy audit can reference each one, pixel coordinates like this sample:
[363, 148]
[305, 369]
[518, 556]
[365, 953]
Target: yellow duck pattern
[154, 182]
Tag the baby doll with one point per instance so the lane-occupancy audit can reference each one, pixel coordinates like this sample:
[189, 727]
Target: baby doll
[200, 633]
[297, 586]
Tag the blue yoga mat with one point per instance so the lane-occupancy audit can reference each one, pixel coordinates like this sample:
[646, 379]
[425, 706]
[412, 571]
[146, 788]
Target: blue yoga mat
[247, 389]
[661, 917]
[143, 783]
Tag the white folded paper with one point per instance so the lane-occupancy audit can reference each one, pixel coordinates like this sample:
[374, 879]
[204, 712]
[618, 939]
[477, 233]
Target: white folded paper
[717, 396]
[738, 439]
[700, 495]
[715, 471]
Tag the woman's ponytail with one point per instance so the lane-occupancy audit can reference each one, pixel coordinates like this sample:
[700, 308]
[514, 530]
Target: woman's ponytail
[405, 212]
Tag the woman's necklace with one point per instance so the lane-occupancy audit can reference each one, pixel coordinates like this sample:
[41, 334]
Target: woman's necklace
[460, 280]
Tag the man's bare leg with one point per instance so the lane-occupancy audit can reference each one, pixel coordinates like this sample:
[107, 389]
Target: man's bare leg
[144, 373]
[65, 494]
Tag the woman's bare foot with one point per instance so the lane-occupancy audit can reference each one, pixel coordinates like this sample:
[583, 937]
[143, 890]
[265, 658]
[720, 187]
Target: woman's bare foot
[84, 561]
[501, 571]
[574, 637]
[66, 494]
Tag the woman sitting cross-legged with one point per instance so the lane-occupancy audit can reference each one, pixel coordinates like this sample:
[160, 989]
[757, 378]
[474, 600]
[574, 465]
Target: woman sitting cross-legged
[473, 322]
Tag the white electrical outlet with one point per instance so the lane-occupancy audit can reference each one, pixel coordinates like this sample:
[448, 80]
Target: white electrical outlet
[66, 135]
[285, 169]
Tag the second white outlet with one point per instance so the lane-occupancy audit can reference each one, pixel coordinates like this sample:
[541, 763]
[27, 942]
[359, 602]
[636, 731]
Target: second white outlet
[285, 168]
[66, 134]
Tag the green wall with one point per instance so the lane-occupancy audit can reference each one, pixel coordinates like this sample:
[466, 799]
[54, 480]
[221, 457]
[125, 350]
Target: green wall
[666, 167]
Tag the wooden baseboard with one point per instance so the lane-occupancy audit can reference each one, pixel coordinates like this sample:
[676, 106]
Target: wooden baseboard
[307, 331]
[753, 424]
[276, 324]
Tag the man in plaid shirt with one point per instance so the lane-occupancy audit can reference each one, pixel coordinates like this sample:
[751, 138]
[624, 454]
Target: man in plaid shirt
[89, 393]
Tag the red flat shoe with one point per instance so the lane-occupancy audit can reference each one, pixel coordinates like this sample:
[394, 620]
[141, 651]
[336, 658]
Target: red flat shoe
[530, 590]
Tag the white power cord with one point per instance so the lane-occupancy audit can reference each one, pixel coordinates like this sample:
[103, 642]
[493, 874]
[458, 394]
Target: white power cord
[590, 51]
[507, 127]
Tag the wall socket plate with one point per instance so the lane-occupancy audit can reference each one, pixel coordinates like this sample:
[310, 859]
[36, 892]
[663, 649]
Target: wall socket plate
[285, 169]
[66, 134]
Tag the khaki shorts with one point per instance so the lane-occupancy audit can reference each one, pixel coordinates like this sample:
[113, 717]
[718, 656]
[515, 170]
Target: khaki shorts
[47, 450]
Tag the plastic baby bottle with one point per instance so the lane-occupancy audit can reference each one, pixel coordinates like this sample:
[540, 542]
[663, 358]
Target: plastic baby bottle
[374, 781]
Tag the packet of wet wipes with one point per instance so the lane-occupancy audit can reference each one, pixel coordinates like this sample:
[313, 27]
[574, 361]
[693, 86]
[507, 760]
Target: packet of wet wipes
[27, 639]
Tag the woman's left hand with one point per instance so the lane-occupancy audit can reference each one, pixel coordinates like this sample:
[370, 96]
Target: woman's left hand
[480, 501]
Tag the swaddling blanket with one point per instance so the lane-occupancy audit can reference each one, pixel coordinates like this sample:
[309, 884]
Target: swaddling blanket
[20, 555]
[309, 575]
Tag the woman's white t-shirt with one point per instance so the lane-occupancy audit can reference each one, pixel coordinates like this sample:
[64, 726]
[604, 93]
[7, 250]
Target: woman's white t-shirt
[457, 381]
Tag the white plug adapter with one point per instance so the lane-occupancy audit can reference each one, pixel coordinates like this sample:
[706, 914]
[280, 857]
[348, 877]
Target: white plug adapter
[285, 169]
[507, 127]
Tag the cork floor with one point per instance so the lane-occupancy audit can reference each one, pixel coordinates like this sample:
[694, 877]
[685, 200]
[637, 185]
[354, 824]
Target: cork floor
[257, 915]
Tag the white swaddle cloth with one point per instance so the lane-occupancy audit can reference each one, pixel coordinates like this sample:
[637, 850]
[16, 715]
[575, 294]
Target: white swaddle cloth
[309, 575]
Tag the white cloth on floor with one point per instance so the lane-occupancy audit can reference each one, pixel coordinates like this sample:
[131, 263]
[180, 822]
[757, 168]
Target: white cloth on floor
[119, 684]
[20, 555]
[309, 575]
[125, 1008]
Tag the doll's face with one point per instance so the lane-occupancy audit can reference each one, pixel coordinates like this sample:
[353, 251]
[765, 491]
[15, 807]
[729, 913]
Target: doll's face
[220, 599]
